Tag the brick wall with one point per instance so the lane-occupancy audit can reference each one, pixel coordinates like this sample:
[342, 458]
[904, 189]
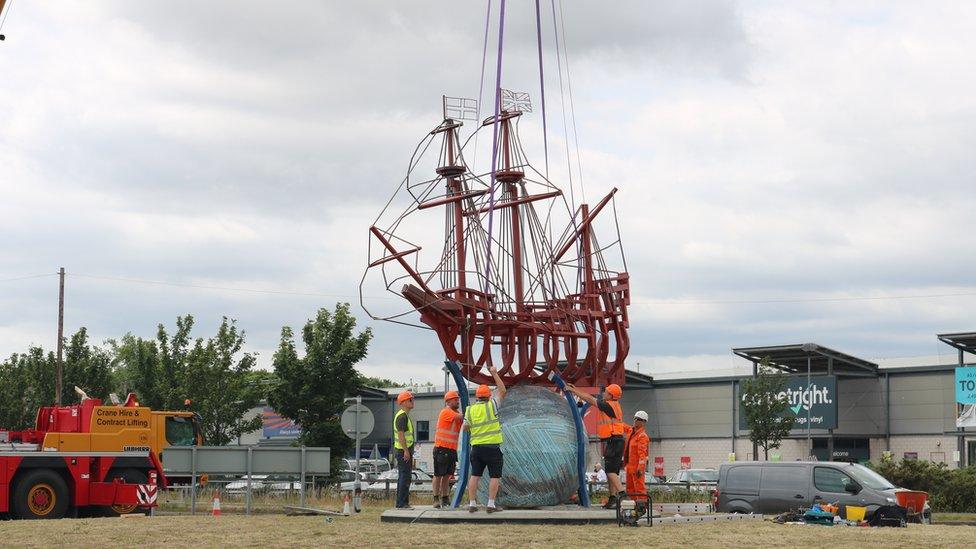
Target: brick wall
[931, 448]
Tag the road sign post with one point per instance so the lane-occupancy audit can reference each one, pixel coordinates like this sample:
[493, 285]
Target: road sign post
[357, 423]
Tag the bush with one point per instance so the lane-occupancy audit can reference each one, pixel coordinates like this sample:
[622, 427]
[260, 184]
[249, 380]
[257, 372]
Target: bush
[950, 491]
[958, 494]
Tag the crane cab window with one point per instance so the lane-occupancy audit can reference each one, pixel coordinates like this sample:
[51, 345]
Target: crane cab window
[179, 431]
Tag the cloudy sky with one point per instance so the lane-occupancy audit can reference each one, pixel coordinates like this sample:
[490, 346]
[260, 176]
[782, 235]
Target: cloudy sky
[788, 171]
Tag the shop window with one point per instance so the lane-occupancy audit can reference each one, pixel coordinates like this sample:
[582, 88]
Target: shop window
[423, 430]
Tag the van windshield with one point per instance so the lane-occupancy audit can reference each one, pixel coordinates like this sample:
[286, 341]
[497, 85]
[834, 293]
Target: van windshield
[868, 477]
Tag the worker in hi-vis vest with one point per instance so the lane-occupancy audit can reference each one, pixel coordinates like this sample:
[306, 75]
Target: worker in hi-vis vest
[403, 444]
[445, 447]
[481, 420]
[635, 460]
[610, 429]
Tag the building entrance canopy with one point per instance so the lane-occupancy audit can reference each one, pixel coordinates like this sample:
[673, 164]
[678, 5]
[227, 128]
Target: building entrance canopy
[797, 358]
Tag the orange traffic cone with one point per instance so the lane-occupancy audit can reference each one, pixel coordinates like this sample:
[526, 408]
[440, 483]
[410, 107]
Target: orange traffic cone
[216, 504]
[345, 504]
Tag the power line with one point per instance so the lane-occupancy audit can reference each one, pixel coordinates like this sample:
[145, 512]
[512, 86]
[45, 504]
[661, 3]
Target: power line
[306, 293]
[220, 288]
[27, 277]
[803, 300]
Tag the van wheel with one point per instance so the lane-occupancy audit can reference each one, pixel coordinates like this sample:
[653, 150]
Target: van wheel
[130, 476]
[40, 494]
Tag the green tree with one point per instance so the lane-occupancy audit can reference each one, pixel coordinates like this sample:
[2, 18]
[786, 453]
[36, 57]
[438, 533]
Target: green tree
[87, 367]
[215, 374]
[370, 381]
[765, 412]
[22, 387]
[216, 380]
[311, 389]
[27, 380]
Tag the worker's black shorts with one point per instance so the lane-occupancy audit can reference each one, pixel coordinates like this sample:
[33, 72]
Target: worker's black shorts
[490, 456]
[613, 454]
[445, 460]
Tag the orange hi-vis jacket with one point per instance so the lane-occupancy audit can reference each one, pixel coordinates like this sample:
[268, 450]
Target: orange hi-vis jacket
[635, 454]
[448, 429]
[607, 426]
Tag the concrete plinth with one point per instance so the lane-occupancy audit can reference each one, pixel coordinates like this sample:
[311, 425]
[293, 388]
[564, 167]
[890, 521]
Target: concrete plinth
[557, 514]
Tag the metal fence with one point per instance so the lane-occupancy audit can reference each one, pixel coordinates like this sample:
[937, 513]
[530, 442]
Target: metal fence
[248, 461]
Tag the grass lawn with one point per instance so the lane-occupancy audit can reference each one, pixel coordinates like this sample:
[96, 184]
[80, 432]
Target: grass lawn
[953, 517]
[365, 530]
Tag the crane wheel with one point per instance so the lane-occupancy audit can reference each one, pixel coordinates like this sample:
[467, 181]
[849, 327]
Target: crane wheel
[40, 494]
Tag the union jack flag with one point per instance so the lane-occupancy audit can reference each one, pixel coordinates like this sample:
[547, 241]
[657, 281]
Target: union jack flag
[516, 101]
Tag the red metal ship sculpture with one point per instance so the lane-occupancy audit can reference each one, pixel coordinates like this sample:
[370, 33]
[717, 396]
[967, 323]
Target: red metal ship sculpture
[505, 290]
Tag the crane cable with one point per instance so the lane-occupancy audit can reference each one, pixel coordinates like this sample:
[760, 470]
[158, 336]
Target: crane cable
[542, 84]
[494, 141]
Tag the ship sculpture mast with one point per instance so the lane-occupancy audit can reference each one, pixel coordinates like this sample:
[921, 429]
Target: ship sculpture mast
[505, 291]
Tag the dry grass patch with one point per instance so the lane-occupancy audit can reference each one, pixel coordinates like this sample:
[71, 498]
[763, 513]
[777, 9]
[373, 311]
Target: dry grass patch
[365, 530]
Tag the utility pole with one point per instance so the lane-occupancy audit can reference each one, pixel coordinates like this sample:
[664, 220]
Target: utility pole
[57, 380]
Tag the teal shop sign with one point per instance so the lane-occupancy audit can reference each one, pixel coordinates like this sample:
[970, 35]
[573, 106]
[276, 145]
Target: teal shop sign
[966, 385]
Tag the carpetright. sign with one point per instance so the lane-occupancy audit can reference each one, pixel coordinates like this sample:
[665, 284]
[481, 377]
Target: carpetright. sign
[819, 398]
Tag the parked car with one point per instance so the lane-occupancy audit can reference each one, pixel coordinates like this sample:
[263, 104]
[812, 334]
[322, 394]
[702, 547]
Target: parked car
[347, 480]
[422, 482]
[283, 488]
[699, 480]
[372, 467]
[239, 487]
[776, 487]
[654, 484]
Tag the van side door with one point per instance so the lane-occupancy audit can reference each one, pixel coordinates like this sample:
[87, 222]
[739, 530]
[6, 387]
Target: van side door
[740, 490]
[784, 487]
[830, 486]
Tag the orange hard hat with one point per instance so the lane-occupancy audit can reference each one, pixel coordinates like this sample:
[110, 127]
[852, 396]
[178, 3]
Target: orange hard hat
[451, 395]
[614, 390]
[404, 396]
[483, 391]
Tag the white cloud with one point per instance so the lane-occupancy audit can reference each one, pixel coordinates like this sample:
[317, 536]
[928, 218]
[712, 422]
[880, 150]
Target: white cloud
[762, 151]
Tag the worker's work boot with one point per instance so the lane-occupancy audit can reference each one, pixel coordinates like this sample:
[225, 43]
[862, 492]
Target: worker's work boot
[445, 502]
[611, 503]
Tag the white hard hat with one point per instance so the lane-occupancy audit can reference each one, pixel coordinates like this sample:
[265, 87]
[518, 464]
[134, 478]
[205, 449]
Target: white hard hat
[640, 414]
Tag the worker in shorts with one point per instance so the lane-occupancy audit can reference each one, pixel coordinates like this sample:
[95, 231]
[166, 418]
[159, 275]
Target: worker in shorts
[481, 420]
[635, 458]
[610, 429]
[445, 447]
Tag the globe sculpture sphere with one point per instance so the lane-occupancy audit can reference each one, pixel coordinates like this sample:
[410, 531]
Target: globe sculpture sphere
[539, 447]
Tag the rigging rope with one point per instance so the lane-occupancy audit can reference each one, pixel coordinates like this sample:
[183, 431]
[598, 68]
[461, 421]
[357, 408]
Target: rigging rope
[481, 86]
[494, 140]
[542, 84]
[562, 104]
[572, 107]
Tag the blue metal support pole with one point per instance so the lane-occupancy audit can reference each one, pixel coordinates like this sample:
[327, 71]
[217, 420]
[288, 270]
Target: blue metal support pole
[581, 439]
[464, 454]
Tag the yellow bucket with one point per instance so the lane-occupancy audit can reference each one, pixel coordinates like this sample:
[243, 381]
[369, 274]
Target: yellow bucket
[856, 513]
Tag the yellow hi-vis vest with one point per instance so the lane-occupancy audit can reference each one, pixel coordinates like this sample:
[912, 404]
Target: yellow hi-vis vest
[407, 435]
[483, 423]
